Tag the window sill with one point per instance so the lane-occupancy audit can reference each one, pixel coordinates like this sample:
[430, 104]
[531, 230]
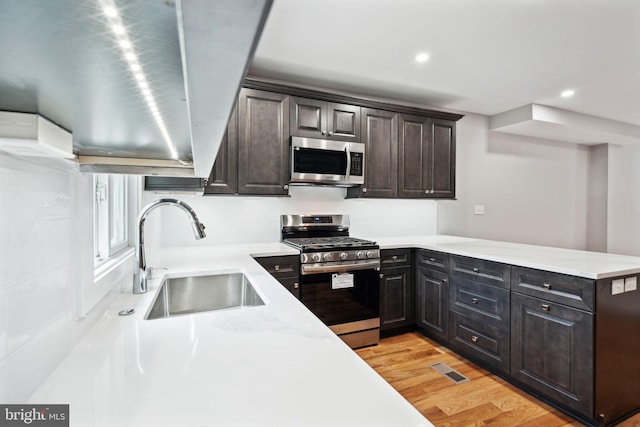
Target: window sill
[111, 264]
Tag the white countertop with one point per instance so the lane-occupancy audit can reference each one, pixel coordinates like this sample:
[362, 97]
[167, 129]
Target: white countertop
[592, 265]
[271, 365]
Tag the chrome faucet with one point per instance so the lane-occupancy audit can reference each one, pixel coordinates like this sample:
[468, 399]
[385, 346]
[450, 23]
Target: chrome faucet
[140, 269]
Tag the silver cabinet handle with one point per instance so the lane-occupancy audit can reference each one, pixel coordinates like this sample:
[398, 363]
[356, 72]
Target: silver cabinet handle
[395, 257]
[324, 132]
[474, 300]
[330, 133]
[445, 282]
[426, 191]
[381, 276]
[432, 260]
[545, 307]
[286, 187]
[546, 285]
[364, 189]
[276, 267]
[296, 285]
[474, 338]
[476, 270]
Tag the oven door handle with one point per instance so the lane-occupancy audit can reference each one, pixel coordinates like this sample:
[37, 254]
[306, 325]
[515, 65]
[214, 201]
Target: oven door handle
[306, 269]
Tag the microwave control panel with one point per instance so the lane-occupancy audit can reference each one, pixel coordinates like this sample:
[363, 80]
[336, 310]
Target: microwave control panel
[356, 164]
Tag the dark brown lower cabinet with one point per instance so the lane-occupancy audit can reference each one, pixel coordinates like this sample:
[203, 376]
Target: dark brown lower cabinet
[552, 351]
[286, 269]
[432, 302]
[396, 298]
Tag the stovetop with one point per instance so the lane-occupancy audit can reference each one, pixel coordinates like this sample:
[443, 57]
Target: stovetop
[328, 243]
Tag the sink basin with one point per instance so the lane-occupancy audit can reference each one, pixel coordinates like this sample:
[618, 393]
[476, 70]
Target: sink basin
[187, 295]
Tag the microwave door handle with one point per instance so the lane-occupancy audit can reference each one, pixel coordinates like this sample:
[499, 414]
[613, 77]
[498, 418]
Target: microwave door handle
[348, 152]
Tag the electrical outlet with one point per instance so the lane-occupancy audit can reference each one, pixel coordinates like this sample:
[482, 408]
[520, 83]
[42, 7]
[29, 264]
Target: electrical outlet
[617, 286]
[478, 209]
[630, 284]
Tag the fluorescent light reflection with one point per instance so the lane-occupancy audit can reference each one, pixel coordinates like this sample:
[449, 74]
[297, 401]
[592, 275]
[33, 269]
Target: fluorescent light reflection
[567, 93]
[128, 53]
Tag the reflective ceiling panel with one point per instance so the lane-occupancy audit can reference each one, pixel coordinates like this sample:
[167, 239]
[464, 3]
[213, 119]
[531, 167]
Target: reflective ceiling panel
[61, 60]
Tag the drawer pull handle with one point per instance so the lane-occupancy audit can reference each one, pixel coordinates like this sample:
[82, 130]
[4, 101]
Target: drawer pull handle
[276, 267]
[476, 270]
[474, 300]
[296, 285]
[474, 338]
[546, 285]
[545, 307]
[432, 259]
[395, 257]
[445, 282]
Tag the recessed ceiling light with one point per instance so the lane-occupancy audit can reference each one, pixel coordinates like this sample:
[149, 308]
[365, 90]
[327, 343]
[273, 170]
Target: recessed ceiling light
[567, 93]
[422, 57]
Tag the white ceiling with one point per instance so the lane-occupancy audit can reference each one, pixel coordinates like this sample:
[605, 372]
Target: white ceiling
[486, 56]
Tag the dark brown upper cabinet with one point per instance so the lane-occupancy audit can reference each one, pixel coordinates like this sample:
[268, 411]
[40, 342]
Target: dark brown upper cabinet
[426, 157]
[263, 143]
[224, 175]
[443, 160]
[326, 120]
[380, 136]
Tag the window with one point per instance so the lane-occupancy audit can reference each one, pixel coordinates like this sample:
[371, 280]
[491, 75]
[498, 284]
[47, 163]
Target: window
[111, 216]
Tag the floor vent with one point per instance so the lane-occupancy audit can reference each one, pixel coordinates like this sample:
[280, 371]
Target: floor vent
[452, 374]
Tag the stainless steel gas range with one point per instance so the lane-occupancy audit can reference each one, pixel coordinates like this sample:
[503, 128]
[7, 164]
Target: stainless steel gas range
[339, 275]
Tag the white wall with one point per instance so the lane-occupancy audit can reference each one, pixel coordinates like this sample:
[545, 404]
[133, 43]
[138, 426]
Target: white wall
[237, 220]
[623, 216]
[45, 232]
[533, 190]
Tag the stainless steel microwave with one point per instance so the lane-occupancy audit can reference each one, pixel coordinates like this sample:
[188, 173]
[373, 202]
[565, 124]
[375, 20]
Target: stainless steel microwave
[320, 161]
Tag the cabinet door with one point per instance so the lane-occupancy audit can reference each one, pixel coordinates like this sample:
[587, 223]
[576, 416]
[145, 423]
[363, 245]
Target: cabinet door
[308, 117]
[432, 302]
[380, 135]
[224, 175]
[396, 298]
[263, 143]
[414, 172]
[343, 122]
[552, 351]
[443, 159]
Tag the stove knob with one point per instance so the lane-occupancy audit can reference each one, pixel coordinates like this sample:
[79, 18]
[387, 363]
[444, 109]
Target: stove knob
[327, 257]
[344, 255]
[360, 255]
[370, 254]
[315, 257]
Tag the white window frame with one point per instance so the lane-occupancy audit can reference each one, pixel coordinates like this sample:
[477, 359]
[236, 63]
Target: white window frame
[104, 203]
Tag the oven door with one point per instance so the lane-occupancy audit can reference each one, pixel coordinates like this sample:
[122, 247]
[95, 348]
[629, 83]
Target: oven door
[345, 299]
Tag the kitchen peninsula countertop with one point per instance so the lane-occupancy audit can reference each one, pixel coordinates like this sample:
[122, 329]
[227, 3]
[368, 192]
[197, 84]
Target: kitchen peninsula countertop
[271, 365]
[592, 265]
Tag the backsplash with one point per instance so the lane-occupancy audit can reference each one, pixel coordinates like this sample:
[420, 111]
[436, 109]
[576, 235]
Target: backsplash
[45, 231]
[239, 220]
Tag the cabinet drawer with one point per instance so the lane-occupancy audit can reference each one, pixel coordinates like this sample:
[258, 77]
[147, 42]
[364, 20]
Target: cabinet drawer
[479, 270]
[390, 258]
[292, 284]
[479, 341]
[572, 291]
[432, 259]
[486, 304]
[281, 266]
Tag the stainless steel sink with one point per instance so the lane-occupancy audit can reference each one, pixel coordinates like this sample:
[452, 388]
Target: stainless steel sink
[186, 295]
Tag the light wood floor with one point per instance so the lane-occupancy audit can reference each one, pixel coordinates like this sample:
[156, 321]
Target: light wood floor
[404, 360]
